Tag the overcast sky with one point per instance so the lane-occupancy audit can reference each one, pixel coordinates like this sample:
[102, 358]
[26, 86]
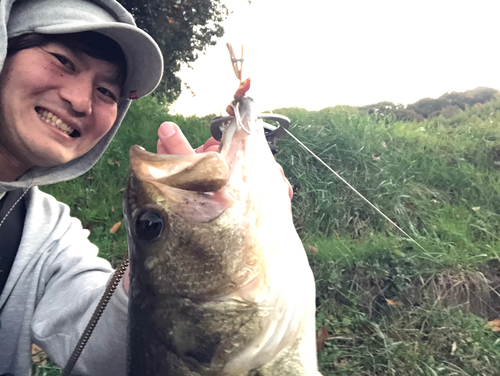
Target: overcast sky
[319, 53]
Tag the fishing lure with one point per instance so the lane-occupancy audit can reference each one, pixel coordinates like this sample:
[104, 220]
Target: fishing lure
[273, 133]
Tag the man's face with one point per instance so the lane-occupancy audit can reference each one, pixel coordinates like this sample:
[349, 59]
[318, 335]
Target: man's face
[55, 105]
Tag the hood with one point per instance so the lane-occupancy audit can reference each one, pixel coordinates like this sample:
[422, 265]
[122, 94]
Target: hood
[49, 175]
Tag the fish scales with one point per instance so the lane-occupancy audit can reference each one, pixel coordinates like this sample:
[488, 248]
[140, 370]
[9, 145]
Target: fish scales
[219, 280]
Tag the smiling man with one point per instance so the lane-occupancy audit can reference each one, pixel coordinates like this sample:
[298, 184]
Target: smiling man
[68, 72]
[57, 101]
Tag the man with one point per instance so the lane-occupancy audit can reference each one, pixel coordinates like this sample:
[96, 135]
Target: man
[68, 72]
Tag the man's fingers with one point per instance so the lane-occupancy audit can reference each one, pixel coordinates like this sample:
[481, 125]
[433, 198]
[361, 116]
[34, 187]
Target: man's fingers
[160, 149]
[211, 145]
[287, 182]
[290, 189]
[172, 140]
[204, 149]
[212, 148]
[211, 142]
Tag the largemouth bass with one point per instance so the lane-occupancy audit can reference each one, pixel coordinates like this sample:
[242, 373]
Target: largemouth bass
[219, 282]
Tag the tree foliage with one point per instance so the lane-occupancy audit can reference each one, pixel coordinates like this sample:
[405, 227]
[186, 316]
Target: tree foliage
[182, 29]
[429, 107]
[446, 105]
[389, 108]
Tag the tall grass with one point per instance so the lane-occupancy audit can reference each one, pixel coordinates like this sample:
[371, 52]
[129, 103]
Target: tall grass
[389, 306]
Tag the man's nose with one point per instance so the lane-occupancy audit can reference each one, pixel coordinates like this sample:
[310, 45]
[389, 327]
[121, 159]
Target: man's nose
[78, 96]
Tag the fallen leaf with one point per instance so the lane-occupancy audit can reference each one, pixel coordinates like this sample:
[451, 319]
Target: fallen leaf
[112, 208]
[123, 189]
[476, 208]
[453, 348]
[384, 144]
[341, 363]
[115, 227]
[314, 251]
[493, 325]
[393, 302]
[375, 158]
[38, 356]
[117, 163]
[411, 206]
[321, 338]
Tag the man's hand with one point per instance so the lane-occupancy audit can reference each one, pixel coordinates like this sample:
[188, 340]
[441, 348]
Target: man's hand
[172, 141]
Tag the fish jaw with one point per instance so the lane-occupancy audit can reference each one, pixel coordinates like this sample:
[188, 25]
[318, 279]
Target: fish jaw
[207, 172]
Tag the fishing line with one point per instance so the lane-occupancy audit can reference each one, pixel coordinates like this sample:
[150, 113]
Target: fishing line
[377, 209]
[354, 189]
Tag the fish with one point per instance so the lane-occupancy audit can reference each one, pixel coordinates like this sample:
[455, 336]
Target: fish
[220, 283]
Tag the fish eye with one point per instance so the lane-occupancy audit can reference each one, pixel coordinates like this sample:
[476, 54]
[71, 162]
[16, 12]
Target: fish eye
[149, 225]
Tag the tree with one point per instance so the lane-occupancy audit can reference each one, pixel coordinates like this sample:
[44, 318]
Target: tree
[426, 106]
[182, 29]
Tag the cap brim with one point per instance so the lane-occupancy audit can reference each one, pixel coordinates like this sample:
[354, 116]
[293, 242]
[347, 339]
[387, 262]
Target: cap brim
[144, 58]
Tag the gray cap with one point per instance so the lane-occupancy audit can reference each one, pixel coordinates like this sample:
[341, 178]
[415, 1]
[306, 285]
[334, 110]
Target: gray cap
[143, 56]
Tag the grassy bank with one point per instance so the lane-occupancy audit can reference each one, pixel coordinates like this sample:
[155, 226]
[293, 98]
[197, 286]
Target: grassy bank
[389, 307]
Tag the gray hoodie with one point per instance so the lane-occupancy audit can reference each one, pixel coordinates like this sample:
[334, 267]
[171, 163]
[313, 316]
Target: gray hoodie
[57, 279]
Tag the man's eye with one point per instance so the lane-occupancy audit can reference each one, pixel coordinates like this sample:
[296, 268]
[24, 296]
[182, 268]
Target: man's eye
[63, 60]
[107, 93]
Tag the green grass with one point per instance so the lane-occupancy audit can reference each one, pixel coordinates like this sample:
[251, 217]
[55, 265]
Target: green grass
[438, 303]
[436, 179]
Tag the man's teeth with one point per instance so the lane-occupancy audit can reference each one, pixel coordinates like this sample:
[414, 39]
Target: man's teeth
[50, 118]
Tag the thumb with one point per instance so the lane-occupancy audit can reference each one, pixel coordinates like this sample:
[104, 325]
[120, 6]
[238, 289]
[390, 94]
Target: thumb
[172, 140]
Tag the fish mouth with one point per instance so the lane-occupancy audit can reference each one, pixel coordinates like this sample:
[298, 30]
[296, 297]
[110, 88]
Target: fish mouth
[192, 186]
[202, 186]
[202, 173]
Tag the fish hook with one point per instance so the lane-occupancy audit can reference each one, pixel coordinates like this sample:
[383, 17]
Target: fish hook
[236, 108]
